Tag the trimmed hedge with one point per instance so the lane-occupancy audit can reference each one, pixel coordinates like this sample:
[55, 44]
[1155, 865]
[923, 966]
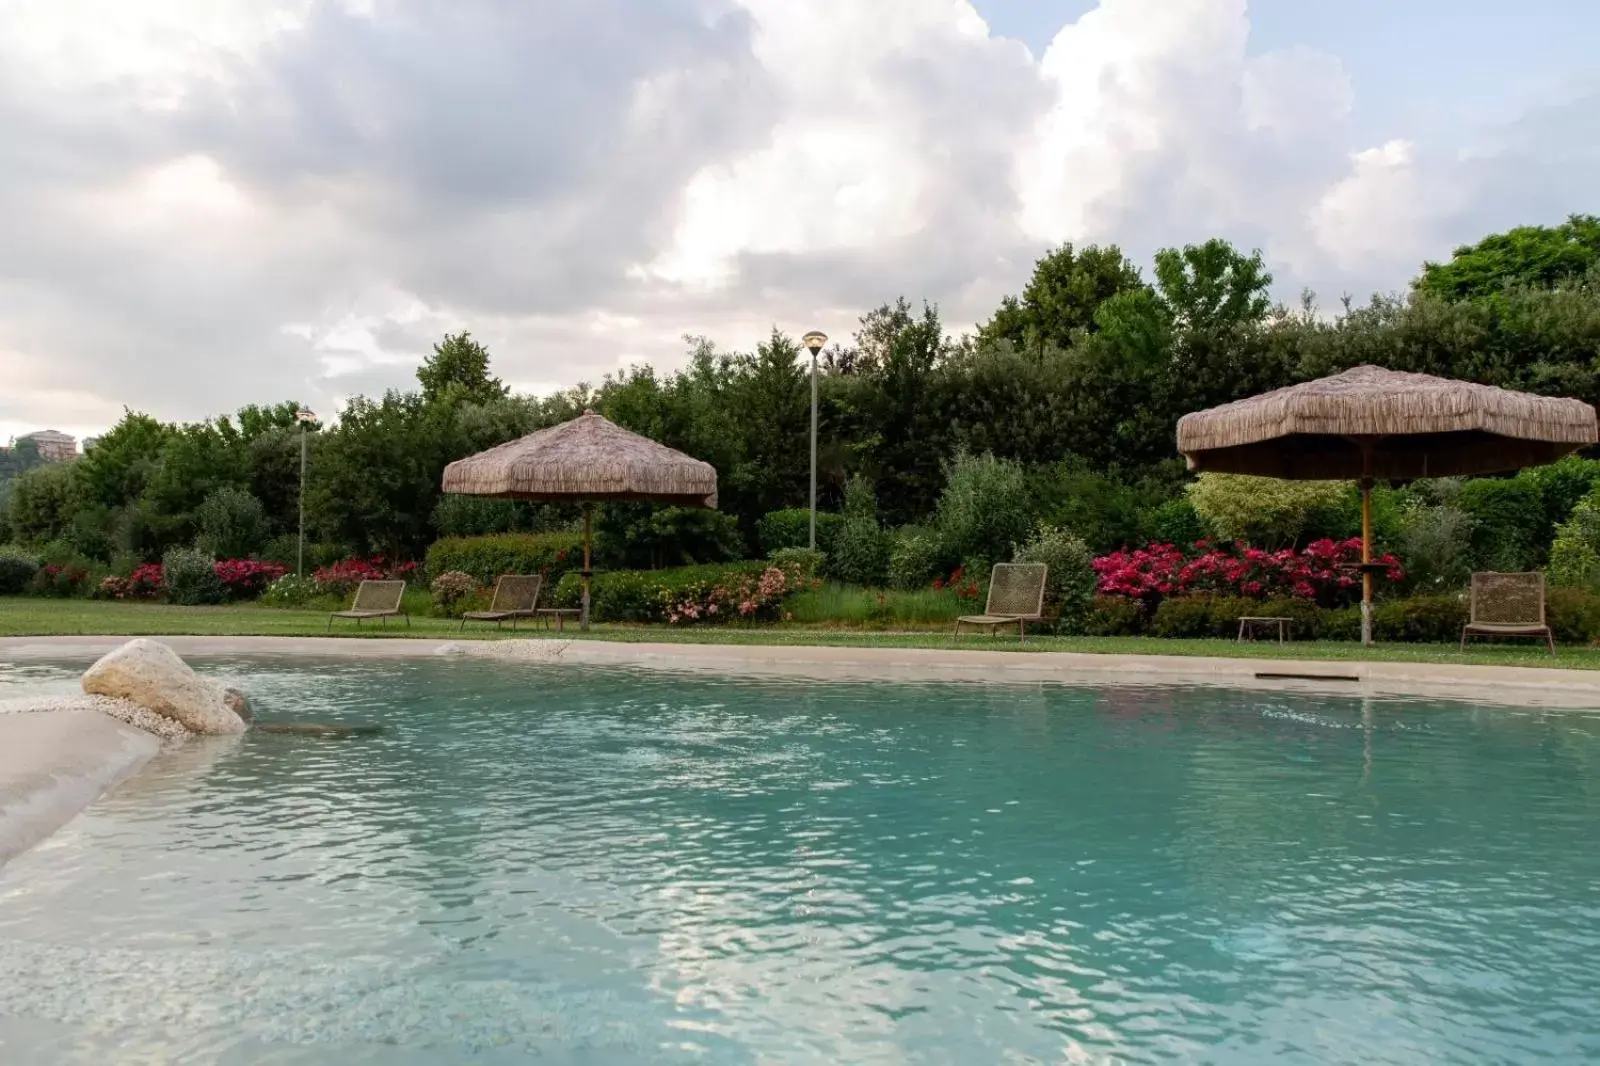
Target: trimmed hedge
[646, 595]
[1572, 613]
[791, 528]
[487, 557]
[16, 571]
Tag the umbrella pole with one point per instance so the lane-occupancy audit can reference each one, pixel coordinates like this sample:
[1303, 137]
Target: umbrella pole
[1366, 543]
[588, 526]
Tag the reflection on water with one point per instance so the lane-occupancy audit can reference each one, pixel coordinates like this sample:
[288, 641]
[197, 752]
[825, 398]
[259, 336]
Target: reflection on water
[598, 866]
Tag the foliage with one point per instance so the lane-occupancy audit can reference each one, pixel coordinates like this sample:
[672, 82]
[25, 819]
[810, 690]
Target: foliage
[344, 577]
[1436, 543]
[1268, 512]
[42, 503]
[1177, 522]
[17, 569]
[1316, 573]
[804, 562]
[291, 590]
[791, 528]
[450, 589]
[232, 524]
[246, 579]
[1506, 517]
[458, 369]
[1072, 581]
[59, 579]
[984, 510]
[860, 554]
[641, 535]
[655, 595]
[1063, 297]
[915, 557]
[485, 559]
[1543, 257]
[191, 578]
[832, 604]
[1575, 555]
[1113, 616]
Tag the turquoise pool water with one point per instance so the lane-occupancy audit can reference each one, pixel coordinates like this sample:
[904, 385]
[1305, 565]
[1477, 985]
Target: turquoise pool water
[569, 865]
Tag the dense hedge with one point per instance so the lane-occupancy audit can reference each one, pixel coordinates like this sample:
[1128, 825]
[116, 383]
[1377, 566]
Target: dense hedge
[486, 558]
[792, 529]
[1573, 614]
[650, 595]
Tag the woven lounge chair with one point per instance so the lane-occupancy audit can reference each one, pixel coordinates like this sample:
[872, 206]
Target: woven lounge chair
[1508, 605]
[515, 596]
[375, 599]
[1016, 597]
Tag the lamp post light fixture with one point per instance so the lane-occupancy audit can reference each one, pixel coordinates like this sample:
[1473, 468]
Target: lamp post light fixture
[814, 341]
[304, 417]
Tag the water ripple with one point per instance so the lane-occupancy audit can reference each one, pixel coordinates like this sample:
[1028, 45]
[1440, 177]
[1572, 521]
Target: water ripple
[598, 866]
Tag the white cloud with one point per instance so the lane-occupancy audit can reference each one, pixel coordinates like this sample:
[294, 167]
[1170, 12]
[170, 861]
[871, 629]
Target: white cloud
[220, 202]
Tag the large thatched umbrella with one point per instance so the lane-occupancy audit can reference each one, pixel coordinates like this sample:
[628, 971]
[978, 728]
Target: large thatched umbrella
[1370, 423]
[590, 460]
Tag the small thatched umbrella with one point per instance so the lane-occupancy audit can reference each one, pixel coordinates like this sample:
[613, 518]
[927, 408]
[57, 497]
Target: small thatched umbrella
[588, 459]
[1370, 423]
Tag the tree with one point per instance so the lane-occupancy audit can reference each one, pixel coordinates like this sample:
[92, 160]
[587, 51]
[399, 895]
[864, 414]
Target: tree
[459, 369]
[1063, 297]
[1541, 257]
[232, 524]
[115, 471]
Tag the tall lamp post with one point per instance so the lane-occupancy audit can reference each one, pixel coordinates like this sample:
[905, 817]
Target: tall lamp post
[814, 341]
[304, 417]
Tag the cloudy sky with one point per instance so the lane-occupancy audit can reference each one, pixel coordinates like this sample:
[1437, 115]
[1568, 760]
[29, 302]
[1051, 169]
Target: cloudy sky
[205, 203]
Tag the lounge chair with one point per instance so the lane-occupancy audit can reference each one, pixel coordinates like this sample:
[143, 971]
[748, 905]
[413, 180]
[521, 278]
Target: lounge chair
[375, 599]
[1508, 605]
[1016, 597]
[515, 596]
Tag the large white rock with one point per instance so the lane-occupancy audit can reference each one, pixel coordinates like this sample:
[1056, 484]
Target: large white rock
[151, 674]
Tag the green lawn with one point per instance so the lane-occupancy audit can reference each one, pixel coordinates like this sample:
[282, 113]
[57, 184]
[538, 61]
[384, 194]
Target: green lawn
[41, 617]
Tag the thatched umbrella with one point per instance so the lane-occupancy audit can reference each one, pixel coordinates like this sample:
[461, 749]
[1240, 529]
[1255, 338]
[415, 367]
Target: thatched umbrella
[1370, 423]
[588, 459]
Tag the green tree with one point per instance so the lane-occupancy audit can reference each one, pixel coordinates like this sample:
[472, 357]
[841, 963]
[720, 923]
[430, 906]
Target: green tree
[116, 470]
[43, 503]
[1063, 297]
[459, 369]
[984, 511]
[232, 524]
[1542, 257]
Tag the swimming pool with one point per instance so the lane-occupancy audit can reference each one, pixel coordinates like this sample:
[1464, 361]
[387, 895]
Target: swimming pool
[602, 866]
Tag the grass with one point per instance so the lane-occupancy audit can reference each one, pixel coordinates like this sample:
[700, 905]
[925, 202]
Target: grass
[22, 617]
[833, 606]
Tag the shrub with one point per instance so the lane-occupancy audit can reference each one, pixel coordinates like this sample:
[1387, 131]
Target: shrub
[1436, 543]
[1071, 584]
[745, 590]
[486, 558]
[640, 535]
[984, 510]
[291, 590]
[791, 528]
[191, 578]
[1574, 615]
[232, 524]
[1182, 617]
[801, 561]
[59, 579]
[1419, 620]
[16, 571]
[915, 557]
[145, 583]
[450, 590]
[860, 555]
[1575, 555]
[245, 579]
[1113, 616]
[343, 578]
[1161, 570]
[1507, 515]
[1177, 522]
[1262, 510]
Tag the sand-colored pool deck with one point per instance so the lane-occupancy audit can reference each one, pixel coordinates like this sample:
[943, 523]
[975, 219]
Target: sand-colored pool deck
[55, 763]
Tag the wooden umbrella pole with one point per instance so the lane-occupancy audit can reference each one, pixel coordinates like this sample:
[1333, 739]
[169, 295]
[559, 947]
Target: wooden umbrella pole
[588, 526]
[1366, 543]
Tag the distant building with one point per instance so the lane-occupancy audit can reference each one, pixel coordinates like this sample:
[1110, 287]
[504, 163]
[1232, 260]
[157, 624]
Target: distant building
[53, 445]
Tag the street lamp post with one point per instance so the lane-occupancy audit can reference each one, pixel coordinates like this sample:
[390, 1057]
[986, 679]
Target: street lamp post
[814, 341]
[302, 416]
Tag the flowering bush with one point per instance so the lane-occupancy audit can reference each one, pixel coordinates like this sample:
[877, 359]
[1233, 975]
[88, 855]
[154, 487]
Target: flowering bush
[342, 577]
[450, 590]
[59, 579]
[969, 591]
[747, 597]
[247, 578]
[1321, 572]
[290, 590]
